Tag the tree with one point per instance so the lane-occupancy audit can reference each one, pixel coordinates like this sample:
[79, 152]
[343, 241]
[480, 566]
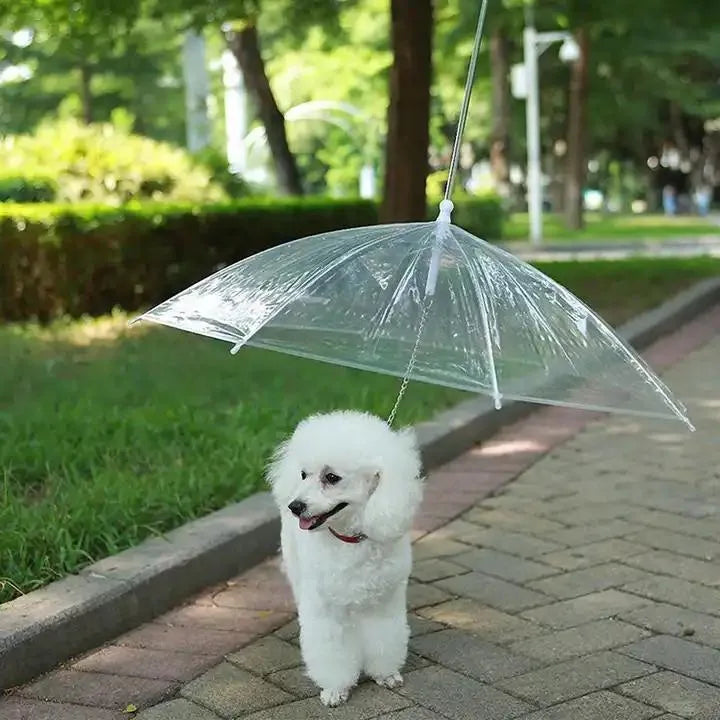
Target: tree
[408, 134]
[93, 24]
[240, 20]
[244, 42]
[333, 148]
[82, 32]
[634, 60]
[576, 133]
[506, 26]
[137, 79]
[500, 133]
[95, 62]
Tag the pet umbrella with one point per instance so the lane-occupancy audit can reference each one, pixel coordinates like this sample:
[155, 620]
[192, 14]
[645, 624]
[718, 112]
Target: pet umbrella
[428, 302]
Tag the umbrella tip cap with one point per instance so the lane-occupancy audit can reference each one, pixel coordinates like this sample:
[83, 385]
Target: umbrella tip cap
[446, 208]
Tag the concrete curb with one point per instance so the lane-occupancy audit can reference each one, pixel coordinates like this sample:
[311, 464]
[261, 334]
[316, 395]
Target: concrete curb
[68, 617]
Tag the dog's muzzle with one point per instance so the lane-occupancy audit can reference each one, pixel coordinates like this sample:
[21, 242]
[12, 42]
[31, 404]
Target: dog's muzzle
[310, 522]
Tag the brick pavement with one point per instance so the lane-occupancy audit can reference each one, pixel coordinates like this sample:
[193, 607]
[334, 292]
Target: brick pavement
[588, 588]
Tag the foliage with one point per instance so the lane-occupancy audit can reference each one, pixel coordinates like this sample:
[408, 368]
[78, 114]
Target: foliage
[138, 74]
[482, 216]
[349, 67]
[74, 260]
[26, 188]
[101, 163]
[644, 58]
[216, 164]
[111, 435]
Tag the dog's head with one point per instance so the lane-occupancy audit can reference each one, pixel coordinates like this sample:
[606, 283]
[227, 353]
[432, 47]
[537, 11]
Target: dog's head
[350, 466]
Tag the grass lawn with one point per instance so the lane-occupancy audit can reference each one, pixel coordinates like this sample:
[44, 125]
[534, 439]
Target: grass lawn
[108, 435]
[599, 228]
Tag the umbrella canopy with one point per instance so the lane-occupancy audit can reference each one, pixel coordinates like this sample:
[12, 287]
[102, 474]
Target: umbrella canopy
[427, 301]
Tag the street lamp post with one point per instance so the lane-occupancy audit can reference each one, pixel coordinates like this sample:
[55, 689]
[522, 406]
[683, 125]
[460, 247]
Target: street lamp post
[534, 44]
[197, 91]
[236, 114]
[532, 129]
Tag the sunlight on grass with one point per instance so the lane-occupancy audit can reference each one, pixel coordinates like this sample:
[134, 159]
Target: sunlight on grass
[599, 228]
[109, 436]
[82, 333]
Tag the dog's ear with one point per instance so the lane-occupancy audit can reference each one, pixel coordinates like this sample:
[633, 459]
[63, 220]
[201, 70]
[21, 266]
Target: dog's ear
[275, 466]
[390, 510]
[279, 471]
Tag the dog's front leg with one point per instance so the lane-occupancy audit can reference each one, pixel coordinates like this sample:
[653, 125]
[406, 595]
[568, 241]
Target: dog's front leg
[331, 651]
[290, 558]
[385, 634]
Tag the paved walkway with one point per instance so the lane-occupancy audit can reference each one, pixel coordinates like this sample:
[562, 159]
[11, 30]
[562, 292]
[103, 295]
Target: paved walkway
[588, 588]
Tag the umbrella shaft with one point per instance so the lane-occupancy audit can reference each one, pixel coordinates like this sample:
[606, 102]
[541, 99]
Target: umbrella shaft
[433, 270]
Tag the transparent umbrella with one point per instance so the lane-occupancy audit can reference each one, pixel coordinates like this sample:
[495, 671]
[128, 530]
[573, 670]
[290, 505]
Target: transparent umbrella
[427, 302]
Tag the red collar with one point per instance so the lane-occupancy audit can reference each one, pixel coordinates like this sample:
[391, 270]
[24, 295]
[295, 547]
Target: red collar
[348, 538]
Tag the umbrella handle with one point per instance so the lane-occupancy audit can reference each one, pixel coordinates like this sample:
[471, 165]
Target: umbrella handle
[443, 220]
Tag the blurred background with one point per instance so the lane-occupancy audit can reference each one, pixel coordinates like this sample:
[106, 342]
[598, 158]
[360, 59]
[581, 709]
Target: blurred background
[216, 99]
[147, 143]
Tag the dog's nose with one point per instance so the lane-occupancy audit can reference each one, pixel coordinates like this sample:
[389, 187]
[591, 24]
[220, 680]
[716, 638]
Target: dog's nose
[297, 507]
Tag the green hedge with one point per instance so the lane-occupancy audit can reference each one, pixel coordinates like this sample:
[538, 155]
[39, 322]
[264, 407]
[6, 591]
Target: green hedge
[22, 189]
[65, 260]
[480, 216]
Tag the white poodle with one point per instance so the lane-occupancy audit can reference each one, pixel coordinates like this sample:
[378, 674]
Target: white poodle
[348, 488]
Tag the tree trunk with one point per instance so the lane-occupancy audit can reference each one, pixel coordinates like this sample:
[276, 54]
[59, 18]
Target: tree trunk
[245, 45]
[576, 160]
[86, 93]
[500, 135]
[408, 134]
[679, 132]
[684, 145]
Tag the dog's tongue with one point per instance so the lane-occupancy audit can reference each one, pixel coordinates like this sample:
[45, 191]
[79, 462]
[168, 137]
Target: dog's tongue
[307, 522]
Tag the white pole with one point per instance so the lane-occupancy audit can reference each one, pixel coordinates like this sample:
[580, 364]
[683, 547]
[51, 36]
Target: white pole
[197, 90]
[367, 181]
[236, 115]
[532, 109]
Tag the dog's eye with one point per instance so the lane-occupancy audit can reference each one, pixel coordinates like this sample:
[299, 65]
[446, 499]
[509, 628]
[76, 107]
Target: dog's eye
[332, 478]
[303, 475]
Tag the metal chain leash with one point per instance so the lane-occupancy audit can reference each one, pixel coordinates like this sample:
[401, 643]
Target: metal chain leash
[427, 304]
[429, 293]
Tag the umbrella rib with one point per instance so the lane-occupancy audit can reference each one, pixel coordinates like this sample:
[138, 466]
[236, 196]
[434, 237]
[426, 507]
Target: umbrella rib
[256, 256]
[537, 317]
[540, 320]
[293, 295]
[636, 361]
[503, 257]
[607, 333]
[497, 397]
[399, 286]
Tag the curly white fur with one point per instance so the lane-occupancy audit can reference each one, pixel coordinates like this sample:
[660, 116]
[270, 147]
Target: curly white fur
[351, 598]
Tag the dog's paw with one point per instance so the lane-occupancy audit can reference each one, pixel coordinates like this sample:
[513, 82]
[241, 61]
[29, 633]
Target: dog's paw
[391, 681]
[333, 698]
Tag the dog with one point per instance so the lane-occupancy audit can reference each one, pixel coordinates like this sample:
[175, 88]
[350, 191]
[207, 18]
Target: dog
[348, 487]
